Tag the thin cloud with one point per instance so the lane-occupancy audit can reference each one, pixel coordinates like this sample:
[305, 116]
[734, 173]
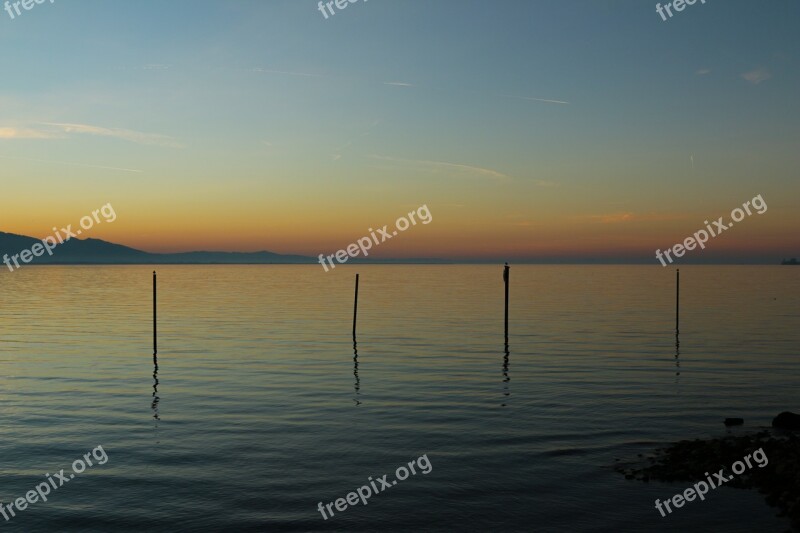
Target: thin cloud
[286, 72]
[442, 165]
[70, 164]
[626, 217]
[404, 84]
[535, 99]
[703, 72]
[757, 76]
[149, 66]
[614, 218]
[27, 133]
[348, 144]
[337, 155]
[519, 220]
[127, 135]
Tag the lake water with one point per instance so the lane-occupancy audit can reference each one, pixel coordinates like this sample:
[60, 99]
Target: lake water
[262, 411]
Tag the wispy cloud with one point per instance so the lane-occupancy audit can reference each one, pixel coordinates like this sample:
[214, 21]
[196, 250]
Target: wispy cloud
[27, 133]
[757, 76]
[286, 72]
[149, 66]
[703, 71]
[337, 155]
[127, 135]
[438, 166]
[399, 84]
[84, 165]
[614, 218]
[348, 144]
[627, 216]
[534, 99]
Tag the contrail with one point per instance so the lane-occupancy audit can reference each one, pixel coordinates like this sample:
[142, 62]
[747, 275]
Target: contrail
[69, 164]
[534, 99]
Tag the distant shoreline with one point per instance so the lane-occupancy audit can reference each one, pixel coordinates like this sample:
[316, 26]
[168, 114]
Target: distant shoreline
[86, 252]
[388, 263]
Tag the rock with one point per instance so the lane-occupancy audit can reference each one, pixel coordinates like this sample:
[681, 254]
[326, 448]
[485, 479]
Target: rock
[786, 420]
[734, 421]
[778, 480]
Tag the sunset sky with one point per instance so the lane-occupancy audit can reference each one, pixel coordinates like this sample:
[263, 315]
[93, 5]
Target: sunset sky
[540, 130]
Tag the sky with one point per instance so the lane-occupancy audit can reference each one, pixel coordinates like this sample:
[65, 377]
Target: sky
[538, 130]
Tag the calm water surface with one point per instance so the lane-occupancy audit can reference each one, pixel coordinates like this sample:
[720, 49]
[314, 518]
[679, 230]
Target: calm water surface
[262, 409]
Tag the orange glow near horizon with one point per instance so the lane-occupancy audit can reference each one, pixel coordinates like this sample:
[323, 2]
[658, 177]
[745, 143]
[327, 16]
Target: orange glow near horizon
[452, 234]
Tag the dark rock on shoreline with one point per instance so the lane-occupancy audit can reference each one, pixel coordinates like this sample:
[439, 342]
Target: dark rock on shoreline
[786, 420]
[777, 475]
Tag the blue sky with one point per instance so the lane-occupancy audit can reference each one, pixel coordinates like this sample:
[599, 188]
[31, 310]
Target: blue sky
[522, 123]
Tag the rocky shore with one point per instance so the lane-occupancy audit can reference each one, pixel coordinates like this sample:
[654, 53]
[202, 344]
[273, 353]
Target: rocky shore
[688, 461]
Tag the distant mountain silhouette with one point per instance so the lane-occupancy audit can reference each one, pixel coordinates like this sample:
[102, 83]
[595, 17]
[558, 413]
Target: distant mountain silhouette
[96, 252]
[792, 261]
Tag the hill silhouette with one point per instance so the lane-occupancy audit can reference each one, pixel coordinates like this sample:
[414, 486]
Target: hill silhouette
[95, 251]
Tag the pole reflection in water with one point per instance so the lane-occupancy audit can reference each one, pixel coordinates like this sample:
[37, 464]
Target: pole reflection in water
[156, 399]
[506, 379]
[357, 384]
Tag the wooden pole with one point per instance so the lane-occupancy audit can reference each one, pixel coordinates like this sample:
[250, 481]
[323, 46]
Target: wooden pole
[155, 323]
[505, 279]
[677, 299]
[355, 310]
